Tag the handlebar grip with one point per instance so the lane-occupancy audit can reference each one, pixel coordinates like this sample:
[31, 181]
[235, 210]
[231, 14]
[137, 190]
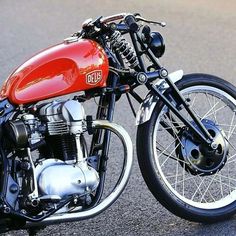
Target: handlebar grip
[131, 22]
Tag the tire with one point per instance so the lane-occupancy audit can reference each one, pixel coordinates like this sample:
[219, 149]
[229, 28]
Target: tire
[195, 197]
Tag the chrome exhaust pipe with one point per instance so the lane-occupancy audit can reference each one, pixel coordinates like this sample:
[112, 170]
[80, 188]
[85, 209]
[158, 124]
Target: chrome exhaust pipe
[113, 196]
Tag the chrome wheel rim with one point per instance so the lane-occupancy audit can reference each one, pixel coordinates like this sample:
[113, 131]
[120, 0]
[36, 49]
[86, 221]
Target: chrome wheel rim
[206, 192]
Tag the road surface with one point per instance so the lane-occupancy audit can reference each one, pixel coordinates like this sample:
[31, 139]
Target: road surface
[200, 37]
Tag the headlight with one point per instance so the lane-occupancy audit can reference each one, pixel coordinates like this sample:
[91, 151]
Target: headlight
[157, 44]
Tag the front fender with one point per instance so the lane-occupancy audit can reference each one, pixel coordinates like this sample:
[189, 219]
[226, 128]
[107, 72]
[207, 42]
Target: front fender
[146, 108]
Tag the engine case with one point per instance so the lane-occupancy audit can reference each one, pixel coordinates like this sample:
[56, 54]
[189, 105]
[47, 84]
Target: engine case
[55, 177]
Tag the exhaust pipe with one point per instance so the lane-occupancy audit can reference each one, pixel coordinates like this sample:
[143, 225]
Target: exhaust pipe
[113, 196]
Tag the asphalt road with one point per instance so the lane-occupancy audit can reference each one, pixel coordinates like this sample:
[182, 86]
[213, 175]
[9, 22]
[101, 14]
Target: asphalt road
[200, 37]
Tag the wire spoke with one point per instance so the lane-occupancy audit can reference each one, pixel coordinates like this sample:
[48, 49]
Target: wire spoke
[214, 112]
[228, 178]
[229, 158]
[199, 186]
[221, 187]
[209, 102]
[177, 170]
[183, 178]
[191, 177]
[174, 130]
[209, 192]
[231, 127]
[209, 111]
[197, 189]
[208, 187]
[191, 105]
[166, 148]
[228, 131]
[169, 155]
[227, 125]
[228, 185]
[222, 176]
[230, 143]
[172, 176]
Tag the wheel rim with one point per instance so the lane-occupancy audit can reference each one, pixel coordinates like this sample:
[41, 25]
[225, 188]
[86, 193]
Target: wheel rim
[206, 192]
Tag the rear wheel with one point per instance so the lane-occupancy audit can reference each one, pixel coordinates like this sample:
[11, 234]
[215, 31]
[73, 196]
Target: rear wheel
[192, 181]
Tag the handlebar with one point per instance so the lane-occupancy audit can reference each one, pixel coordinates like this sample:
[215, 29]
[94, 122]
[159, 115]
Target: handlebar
[128, 18]
[112, 18]
[105, 23]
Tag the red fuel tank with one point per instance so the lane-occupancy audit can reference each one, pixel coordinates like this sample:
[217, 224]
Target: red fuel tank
[62, 69]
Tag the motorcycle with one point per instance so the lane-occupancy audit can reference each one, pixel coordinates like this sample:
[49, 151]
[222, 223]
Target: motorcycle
[185, 129]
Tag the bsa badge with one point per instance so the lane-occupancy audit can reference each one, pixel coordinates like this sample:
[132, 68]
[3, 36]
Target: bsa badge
[94, 77]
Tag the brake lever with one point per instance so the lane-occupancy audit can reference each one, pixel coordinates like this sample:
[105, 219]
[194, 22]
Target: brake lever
[139, 18]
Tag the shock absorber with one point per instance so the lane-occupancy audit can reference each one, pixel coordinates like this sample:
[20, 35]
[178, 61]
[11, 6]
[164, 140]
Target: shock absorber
[123, 47]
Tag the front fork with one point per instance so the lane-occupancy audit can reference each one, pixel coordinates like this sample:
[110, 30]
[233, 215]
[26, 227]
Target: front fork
[199, 130]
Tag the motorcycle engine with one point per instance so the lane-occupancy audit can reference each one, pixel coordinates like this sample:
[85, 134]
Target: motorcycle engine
[56, 131]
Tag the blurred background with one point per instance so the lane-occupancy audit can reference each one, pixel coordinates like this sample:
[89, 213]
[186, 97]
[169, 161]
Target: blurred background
[200, 37]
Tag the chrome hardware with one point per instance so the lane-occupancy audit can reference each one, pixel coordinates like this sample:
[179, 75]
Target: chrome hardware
[80, 157]
[71, 39]
[35, 193]
[162, 24]
[115, 17]
[50, 198]
[64, 117]
[56, 177]
[57, 127]
[139, 18]
[214, 145]
[6, 209]
[122, 46]
[142, 78]
[122, 16]
[112, 197]
[146, 108]
[163, 73]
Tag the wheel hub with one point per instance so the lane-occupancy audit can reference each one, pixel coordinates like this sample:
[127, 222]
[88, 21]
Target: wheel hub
[202, 159]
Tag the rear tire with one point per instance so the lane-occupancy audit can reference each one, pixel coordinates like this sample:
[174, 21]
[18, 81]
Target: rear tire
[199, 207]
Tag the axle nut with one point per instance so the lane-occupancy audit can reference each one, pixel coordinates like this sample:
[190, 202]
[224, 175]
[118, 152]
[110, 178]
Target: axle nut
[214, 146]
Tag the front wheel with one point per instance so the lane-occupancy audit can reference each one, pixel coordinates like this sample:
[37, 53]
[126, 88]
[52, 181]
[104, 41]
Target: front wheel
[194, 182]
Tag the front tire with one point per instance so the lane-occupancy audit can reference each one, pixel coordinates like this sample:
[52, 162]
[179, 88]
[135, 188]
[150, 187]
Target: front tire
[192, 196]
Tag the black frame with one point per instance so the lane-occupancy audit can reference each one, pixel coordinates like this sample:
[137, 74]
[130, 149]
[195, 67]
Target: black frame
[200, 131]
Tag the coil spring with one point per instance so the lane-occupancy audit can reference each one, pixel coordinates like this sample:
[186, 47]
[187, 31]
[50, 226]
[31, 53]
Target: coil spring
[122, 46]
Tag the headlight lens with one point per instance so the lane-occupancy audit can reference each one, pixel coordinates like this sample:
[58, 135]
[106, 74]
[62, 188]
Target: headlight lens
[157, 44]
